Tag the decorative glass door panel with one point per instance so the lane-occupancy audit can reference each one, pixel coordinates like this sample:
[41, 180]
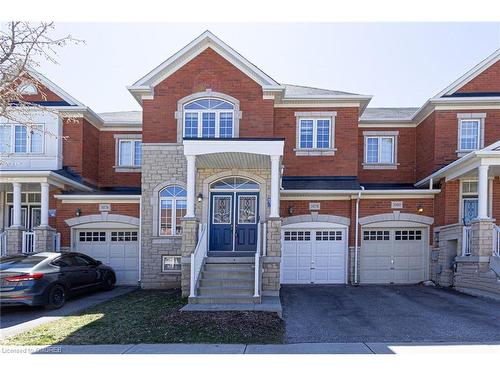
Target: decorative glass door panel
[221, 223]
[246, 222]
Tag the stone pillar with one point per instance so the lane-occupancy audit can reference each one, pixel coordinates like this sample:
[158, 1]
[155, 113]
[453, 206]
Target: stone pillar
[271, 262]
[482, 238]
[275, 186]
[44, 238]
[189, 241]
[14, 240]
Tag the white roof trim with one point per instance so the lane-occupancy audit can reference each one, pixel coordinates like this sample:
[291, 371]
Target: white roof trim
[470, 75]
[88, 197]
[489, 151]
[54, 88]
[193, 49]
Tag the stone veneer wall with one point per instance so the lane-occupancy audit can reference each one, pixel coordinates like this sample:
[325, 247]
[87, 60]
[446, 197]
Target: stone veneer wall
[161, 164]
[164, 164]
[444, 252]
[271, 263]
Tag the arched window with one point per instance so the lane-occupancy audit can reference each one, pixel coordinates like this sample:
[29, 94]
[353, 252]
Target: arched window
[172, 210]
[209, 118]
[27, 88]
[234, 183]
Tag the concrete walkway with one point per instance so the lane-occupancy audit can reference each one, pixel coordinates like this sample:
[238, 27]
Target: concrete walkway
[17, 319]
[302, 348]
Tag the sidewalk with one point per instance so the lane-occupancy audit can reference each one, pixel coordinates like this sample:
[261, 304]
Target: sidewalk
[303, 348]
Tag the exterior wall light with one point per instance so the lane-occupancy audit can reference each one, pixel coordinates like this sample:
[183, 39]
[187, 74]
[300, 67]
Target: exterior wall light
[78, 212]
[420, 208]
[290, 210]
[200, 197]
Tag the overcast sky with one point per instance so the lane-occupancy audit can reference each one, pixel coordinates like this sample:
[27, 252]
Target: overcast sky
[400, 64]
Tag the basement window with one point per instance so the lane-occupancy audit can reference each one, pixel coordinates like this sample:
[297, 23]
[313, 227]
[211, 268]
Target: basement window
[170, 263]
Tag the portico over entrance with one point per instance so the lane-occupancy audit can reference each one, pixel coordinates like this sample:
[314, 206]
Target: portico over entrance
[476, 172]
[232, 186]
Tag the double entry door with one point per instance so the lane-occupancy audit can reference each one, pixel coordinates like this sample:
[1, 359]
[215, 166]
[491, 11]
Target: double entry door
[233, 221]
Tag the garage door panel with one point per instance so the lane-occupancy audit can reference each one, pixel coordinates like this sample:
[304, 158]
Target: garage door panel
[393, 255]
[319, 256]
[117, 248]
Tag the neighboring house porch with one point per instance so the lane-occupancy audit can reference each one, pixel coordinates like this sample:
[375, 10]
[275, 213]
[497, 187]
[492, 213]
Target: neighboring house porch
[467, 253]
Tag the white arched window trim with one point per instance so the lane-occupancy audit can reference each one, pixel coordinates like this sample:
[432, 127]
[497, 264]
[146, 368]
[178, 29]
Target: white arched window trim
[208, 94]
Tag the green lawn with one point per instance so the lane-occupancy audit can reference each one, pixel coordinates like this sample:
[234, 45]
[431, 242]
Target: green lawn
[154, 317]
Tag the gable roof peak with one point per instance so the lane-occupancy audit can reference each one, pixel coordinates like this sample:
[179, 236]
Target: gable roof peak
[207, 39]
[470, 75]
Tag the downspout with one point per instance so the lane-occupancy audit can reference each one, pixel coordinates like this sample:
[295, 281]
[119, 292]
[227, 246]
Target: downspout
[140, 240]
[356, 235]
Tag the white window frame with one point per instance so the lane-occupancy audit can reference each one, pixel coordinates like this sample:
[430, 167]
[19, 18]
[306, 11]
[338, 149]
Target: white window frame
[463, 196]
[163, 258]
[393, 135]
[173, 214]
[480, 119]
[29, 130]
[315, 117]
[120, 138]
[217, 113]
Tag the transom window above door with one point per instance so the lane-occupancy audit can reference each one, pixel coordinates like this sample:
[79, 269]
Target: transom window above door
[234, 183]
[209, 118]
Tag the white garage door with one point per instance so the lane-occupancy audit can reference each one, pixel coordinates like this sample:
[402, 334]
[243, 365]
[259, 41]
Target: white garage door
[118, 248]
[393, 256]
[313, 256]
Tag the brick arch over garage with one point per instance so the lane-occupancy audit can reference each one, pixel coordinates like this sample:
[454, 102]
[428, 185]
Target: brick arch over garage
[395, 216]
[316, 218]
[103, 217]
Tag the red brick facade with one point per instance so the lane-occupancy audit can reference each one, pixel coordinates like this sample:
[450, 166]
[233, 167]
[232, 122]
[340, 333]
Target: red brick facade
[486, 82]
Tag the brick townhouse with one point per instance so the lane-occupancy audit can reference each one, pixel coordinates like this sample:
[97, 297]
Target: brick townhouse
[229, 184]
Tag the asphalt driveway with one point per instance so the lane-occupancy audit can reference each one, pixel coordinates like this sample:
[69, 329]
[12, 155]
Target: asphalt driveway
[346, 314]
[17, 319]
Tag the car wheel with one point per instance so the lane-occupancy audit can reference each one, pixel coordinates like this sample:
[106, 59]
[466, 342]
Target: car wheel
[108, 282]
[57, 297]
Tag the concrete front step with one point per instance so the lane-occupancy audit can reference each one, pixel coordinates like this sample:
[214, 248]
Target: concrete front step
[229, 267]
[217, 298]
[225, 291]
[248, 282]
[227, 274]
[231, 260]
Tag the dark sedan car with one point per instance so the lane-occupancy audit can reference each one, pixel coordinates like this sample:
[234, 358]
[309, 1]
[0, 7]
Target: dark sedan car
[49, 278]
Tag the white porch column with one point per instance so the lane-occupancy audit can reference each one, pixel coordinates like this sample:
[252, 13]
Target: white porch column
[191, 182]
[482, 190]
[44, 210]
[16, 217]
[275, 186]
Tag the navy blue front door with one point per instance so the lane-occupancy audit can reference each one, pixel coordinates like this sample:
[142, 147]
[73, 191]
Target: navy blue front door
[233, 221]
[247, 208]
[221, 222]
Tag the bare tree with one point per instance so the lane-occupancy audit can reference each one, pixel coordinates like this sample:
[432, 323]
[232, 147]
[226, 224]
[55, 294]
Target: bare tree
[23, 46]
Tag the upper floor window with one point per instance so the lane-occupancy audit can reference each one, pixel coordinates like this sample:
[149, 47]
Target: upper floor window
[470, 132]
[129, 152]
[172, 209]
[380, 149]
[209, 118]
[315, 133]
[21, 139]
[27, 88]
